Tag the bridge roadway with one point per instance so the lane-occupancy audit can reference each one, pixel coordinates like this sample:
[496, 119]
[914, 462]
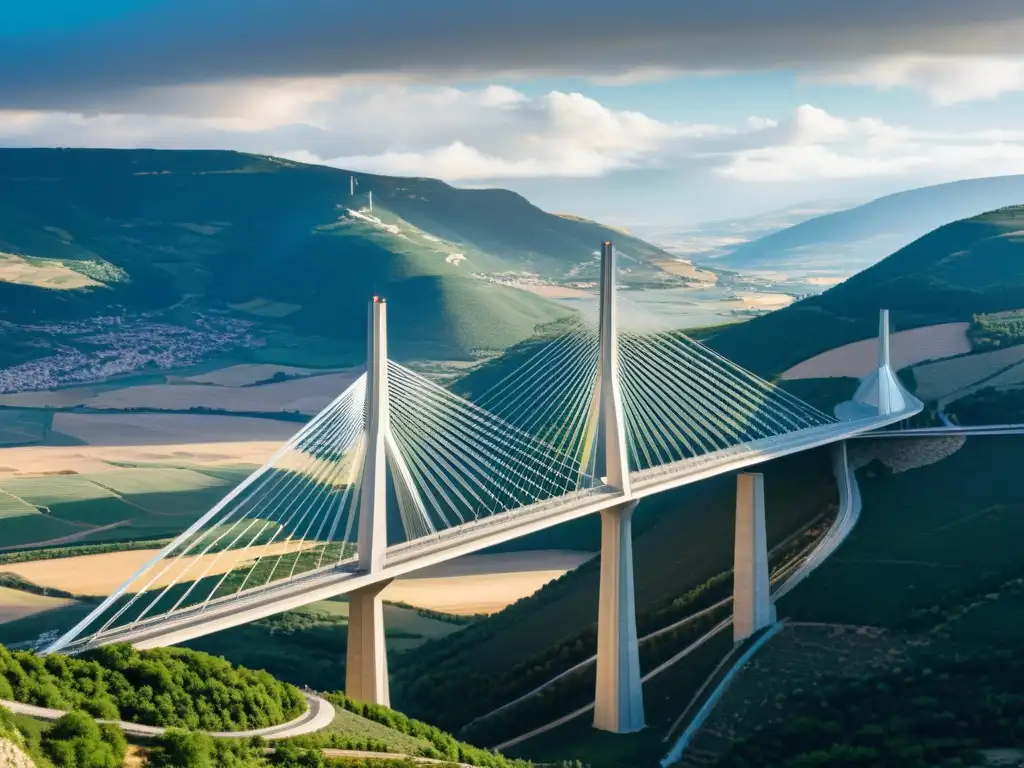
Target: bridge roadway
[408, 557]
[950, 431]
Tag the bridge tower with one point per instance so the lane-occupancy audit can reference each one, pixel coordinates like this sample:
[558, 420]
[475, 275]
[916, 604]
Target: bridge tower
[366, 664]
[618, 699]
[881, 390]
[752, 604]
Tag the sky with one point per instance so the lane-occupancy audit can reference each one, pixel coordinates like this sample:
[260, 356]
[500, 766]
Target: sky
[642, 112]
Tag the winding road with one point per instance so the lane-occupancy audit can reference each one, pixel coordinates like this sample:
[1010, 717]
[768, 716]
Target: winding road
[318, 715]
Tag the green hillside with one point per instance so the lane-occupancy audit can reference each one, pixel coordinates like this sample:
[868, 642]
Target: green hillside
[87, 233]
[959, 270]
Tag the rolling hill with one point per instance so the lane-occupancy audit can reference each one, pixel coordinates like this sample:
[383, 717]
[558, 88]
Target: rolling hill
[87, 233]
[957, 271]
[845, 242]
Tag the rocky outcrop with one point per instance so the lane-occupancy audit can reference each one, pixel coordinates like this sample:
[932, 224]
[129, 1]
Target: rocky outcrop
[11, 755]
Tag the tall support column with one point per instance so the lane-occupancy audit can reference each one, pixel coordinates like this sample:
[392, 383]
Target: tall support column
[883, 338]
[366, 660]
[372, 541]
[618, 699]
[611, 423]
[366, 667]
[752, 604]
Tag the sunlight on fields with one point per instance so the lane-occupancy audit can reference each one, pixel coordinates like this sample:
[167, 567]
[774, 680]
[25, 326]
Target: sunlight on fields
[42, 273]
[858, 359]
[99, 575]
[15, 604]
[483, 583]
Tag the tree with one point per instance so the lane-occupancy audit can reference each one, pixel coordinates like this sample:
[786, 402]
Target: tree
[77, 740]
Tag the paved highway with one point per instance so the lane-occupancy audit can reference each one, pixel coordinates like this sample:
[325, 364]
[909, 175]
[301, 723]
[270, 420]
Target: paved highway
[319, 714]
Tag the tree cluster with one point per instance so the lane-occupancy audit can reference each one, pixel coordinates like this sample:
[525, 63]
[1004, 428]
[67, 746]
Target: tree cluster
[167, 686]
[73, 741]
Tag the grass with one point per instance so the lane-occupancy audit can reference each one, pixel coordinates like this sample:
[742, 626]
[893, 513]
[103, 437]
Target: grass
[352, 725]
[922, 534]
[13, 506]
[55, 489]
[35, 529]
[138, 481]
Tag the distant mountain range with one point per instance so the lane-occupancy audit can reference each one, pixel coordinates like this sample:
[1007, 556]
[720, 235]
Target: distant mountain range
[845, 242]
[710, 239]
[90, 232]
[961, 269]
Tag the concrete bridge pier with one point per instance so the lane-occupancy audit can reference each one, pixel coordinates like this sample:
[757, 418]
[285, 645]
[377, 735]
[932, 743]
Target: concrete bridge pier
[618, 699]
[366, 661]
[752, 603]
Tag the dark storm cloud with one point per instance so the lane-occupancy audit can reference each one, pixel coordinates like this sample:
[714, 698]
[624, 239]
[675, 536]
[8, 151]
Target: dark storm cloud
[191, 41]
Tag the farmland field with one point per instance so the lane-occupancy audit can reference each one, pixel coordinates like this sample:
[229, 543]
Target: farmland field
[922, 533]
[113, 505]
[911, 347]
[249, 373]
[99, 575]
[166, 428]
[477, 584]
[21, 426]
[16, 604]
[947, 379]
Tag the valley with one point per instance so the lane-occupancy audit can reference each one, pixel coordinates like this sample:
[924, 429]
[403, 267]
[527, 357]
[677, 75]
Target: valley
[121, 427]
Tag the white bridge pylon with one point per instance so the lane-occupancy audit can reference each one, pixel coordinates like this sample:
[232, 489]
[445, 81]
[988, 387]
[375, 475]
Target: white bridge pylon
[399, 473]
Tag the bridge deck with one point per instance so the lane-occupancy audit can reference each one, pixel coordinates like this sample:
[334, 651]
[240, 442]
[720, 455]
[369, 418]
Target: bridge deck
[408, 557]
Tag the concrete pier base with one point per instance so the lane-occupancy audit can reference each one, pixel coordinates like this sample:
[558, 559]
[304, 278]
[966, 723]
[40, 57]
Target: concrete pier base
[366, 661]
[752, 604]
[618, 699]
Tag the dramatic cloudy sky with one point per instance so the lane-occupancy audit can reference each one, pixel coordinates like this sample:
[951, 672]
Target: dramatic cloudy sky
[646, 110]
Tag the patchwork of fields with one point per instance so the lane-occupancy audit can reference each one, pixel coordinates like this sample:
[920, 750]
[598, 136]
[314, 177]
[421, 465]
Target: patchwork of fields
[112, 505]
[947, 380]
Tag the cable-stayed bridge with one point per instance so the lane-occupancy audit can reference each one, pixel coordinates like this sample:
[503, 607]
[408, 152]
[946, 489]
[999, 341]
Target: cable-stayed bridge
[399, 473]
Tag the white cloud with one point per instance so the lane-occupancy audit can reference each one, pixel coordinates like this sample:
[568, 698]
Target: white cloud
[817, 145]
[945, 79]
[475, 136]
[461, 135]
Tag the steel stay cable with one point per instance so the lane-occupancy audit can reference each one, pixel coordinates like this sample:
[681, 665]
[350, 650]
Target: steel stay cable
[145, 590]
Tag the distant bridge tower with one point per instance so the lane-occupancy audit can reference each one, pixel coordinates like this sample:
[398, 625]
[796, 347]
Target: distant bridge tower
[366, 665]
[618, 699]
[881, 390]
[752, 604]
